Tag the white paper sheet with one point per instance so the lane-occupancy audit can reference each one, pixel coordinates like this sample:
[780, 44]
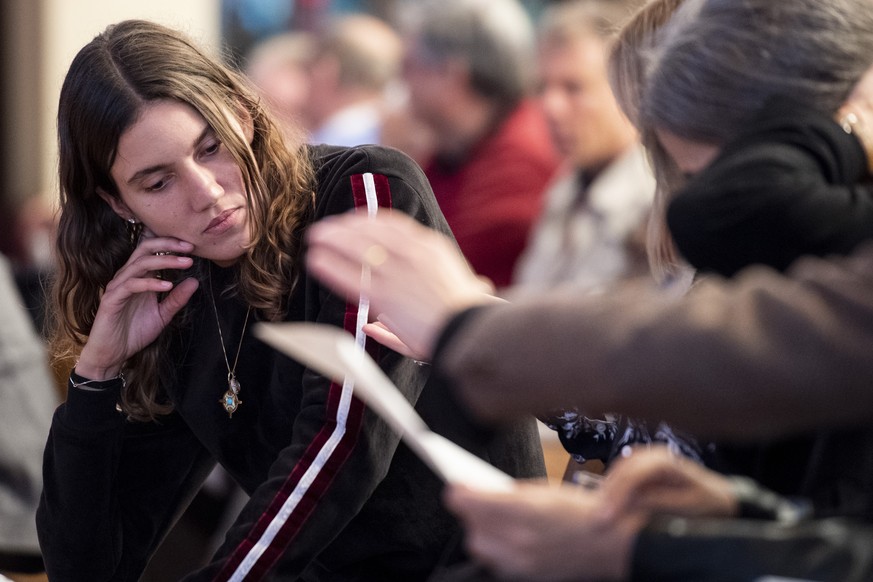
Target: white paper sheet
[331, 352]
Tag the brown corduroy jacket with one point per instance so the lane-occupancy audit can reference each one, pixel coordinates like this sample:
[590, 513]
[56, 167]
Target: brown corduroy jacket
[761, 355]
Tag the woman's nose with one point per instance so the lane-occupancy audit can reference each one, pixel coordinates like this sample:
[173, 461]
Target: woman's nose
[206, 188]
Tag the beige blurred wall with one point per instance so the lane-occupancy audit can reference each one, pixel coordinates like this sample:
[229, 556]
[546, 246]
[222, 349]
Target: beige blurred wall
[40, 38]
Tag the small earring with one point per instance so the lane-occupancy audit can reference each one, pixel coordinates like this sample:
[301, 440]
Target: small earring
[134, 230]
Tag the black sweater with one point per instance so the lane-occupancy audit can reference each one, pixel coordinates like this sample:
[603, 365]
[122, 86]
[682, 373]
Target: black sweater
[334, 494]
[790, 186]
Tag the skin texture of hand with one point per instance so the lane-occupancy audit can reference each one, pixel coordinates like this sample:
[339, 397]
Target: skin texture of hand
[656, 481]
[130, 315]
[541, 532]
[859, 103]
[417, 277]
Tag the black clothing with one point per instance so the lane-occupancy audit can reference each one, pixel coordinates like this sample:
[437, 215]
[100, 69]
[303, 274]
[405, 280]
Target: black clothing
[728, 550]
[790, 186]
[334, 494]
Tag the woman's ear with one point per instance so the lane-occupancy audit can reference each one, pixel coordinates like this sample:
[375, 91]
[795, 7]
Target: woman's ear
[117, 205]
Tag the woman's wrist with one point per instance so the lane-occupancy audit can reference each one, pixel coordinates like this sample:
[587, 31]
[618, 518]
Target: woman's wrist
[92, 366]
[96, 373]
[85, 383]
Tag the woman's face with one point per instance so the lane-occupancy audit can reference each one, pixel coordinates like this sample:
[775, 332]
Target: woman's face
[179, 180]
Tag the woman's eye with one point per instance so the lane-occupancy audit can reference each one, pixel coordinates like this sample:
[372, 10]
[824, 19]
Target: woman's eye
[156, 186]
[212, 148]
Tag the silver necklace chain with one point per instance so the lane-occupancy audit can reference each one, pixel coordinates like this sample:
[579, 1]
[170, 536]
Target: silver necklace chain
[230, 401]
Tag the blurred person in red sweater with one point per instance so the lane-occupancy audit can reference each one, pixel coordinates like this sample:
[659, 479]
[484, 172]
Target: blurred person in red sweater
[469, 71]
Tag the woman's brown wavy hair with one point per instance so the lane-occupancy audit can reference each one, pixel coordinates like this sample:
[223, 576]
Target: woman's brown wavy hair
[127, 66]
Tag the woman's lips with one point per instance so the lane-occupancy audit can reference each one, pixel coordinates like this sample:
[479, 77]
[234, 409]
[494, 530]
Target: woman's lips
[222, 222]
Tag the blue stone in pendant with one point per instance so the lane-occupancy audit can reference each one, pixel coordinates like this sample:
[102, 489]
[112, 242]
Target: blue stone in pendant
[230, 402]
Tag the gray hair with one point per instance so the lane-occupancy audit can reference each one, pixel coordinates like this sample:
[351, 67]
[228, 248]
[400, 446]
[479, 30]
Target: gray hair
[718, 62]
[495, 38]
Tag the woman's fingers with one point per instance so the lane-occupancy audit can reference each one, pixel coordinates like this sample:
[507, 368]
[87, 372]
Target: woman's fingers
[152, 255]
[137, 276]
[130, 315]
[178, 298]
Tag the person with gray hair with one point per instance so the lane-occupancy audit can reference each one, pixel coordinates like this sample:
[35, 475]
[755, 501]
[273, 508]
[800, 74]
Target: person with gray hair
[747, 85]
[746, 91]
[744, 97]
[469, 70]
